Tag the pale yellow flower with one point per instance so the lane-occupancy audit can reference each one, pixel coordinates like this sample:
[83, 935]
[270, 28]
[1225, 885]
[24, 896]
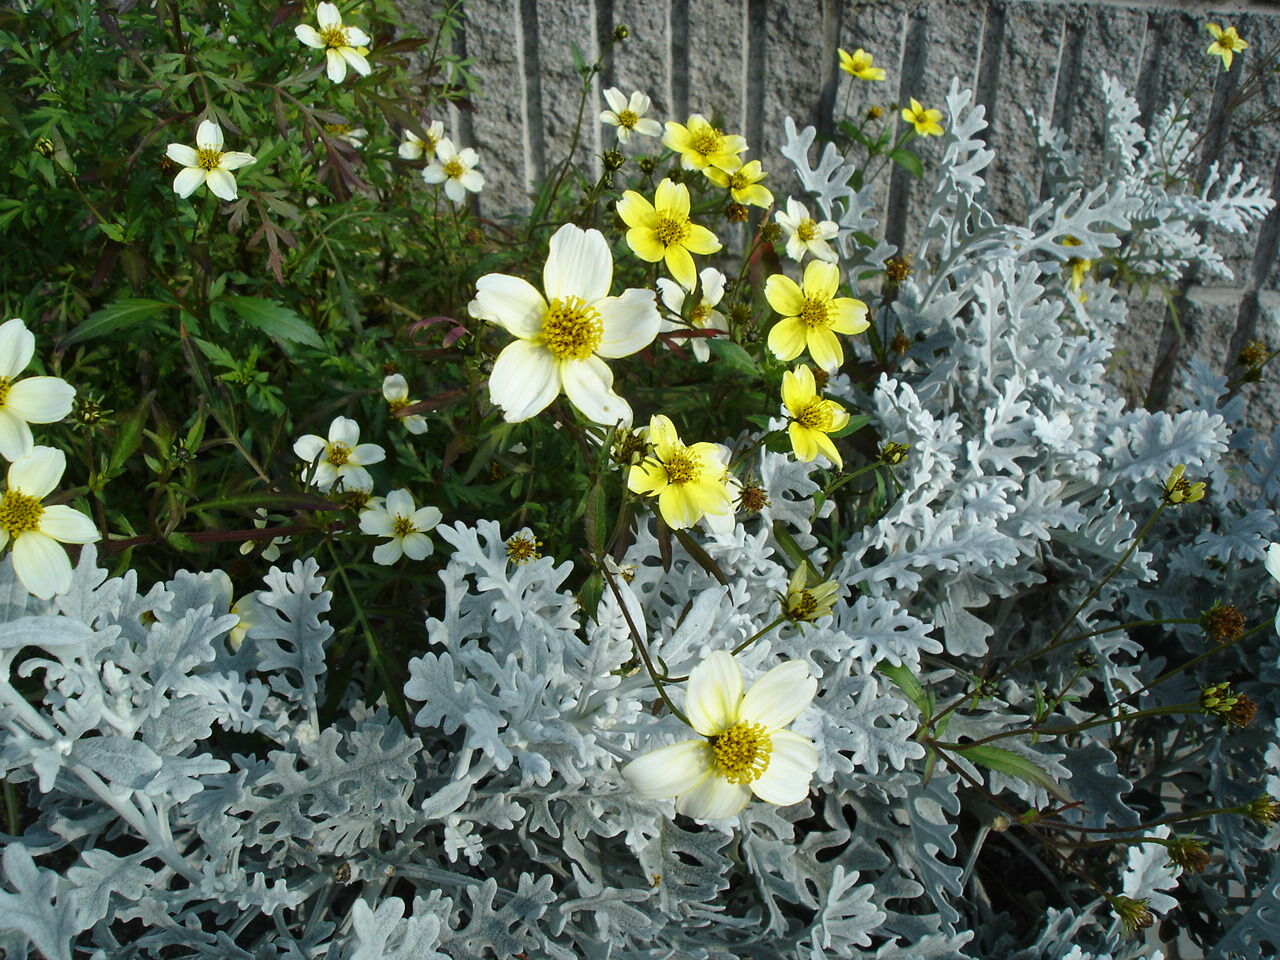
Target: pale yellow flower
[743, 184]
[812, 315]
[689, 481]
[662, 230]
[925, 121]
[1226, 43]
[701, 145]
[858, 64]
[629, 115]
[812, 418]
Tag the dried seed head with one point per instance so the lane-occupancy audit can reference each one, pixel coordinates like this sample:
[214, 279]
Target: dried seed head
[1188, 853]
[1223, 623]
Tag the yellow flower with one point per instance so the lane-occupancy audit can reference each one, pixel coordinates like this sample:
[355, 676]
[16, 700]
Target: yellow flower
[859, 65]
[701, 145]
[812, 418]
[662, 230]
[813, 315]
[689, 482]
[1079, 266]
[925, 121]
[743, 184]
[1226, 43]
[1178, 489]
[803, 603]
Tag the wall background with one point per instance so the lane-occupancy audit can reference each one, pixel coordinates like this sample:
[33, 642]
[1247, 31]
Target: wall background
[753, 62]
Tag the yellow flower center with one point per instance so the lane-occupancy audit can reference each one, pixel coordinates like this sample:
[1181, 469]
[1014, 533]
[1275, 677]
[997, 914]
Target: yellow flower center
[334, 37]
[522, 549]
[402, 527]
[628, 119]
[815, 313]
[454, 169]
[671, 231]
[700, 314]
[572, 329]
[337, 128]
[683, 467]
[815, 415]
[738, 181]
[19, 513]
[707, 140]
[5, 383]
[398, 404]
[338, 454]
[742, 752]
[208, 158]
[802, 605]
[806, 231]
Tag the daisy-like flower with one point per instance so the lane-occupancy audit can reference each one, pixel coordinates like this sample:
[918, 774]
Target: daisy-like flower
[206, 163]
[1178, 489]
[662, 230]
[803, 603]
[415, 148]
[745, 748]
[565, 338]
[806, 234]
[629, 115]
[925, 121]
[32, 400]
[395, 390]
[347, 134]
[1226, 43]
[743, 184]
[812, 418]
[455, 169]
[858, 64]
[340, 459]
[1080, 267]
[701, 145]
[813, 315]
[343, 46]
[703, 316]
[34, 529]
[689, 482]
[1273, 568]
[406, 525]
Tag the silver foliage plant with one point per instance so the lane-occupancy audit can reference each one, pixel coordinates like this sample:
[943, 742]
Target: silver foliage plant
[190, 804]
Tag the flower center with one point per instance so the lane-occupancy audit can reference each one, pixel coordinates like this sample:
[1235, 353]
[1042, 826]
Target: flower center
[19, 513]
[522, 548]
[334, 37]
[806, 231]
[738, 181]
[815, 415]
[706, 141]
[670, 230]
[699, 317]
[339, 454]
[628, 119]
[572, 329]
[5, 383]
[337, 128]
[815, 313]
[398, 404]
[402, 527]
[207, 158]
[683, 467]
[453, 169]
[802, 605]
[742, 752]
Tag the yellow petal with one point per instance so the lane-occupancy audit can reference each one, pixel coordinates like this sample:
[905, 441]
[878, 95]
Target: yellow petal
[636, 211]
[672, 199]
[784, 295]
[849, 315]
[701, 240]
[644, 242]
[802, 441]
[821, 279]
[680, 264]
[755, 195]
[663, 436]
[798, 388]
[676, 508]
[646, 478]
[825, 349]
[787, 338]
[827, 448]
[717, 176]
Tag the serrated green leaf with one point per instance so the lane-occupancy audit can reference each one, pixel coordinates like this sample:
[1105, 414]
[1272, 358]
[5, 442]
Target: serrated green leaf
[280, 323]
[116, 316]
[597, 524]
[1007, 762]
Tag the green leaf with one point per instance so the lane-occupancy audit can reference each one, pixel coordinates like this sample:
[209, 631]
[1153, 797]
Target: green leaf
[906, 681]
[855, 424]
[703, 559]
[278, 322]
[908, 161]
[1007, 762]
[116, 316]
[269, 500]
[733, 356]
[590, 594]
[112, 230]
[597, 524]
[129, 436]
[788, 544]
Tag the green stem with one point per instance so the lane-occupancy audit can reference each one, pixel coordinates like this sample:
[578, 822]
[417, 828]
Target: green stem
[757, 635]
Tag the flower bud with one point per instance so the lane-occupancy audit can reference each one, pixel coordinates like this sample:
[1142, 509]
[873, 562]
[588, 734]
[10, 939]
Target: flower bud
[621, 32]
[613, 160]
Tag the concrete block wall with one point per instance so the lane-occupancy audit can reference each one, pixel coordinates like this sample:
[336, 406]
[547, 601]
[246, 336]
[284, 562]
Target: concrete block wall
[754, 62]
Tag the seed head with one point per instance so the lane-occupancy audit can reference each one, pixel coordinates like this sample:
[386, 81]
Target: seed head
[1219, 700]
[621, 32]
[1085, 659]
[647, 165]
[1253, 354]
[740, 314]
[752, 497]
[821, 378]
[1263, 809]
[770, 232]
[1133, 914]
[897, 269]
[613, 159]
[875, 113]
[737, 212]
[900, 344]
[1223, 623]
[44, 147]
[1188, 853]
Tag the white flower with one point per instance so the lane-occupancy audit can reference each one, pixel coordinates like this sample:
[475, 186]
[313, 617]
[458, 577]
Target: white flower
[704, 316]
[33, 400]
[564, 339]
[342, 46]
[745, 749]
[271, 552]
[341, 458]
[352, 135]
[406, 526]
[40, 564]
[455, 169]
[805, 233]
[629, 116]
[1273, 568]
[395, 390]
[206, 163]
[415, 148]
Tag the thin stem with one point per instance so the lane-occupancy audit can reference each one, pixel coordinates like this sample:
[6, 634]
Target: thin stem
[757, 635]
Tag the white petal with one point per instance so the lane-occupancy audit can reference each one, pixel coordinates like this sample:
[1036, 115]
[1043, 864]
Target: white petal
[524, 381]
[41, 564]
[410, 149]
[630, 321]
[672, 294]
[209, 135]
[357, 61]
[791, 766]
[335, 66]
[17, 346]
[472, 180]
[309, 447]
[387, 553]
[416, 546]
[38, 473]
[327, 15]
[468, 157]
[639, 104]
[433, 173]
[325, 476]
[354, 477]
[579, 264]
[234, 160]
[68, 525]
[648, 128]
[779, 696]
[427, 518]
[796, 211]
[357, 37]
[15, 436]
[617, 102]
[589, 386]
[1273, 560]
[445, 149]
[712, 285]
[510, 302]
[367, 454]
[714, 694]
[400, 503]
[308, 35]
[415, 424]
[714, 799]
[669, 771]
[221, 184]
[376, 522]
[187, 181]
[455, 191]
[344, 430]
[395, 387]
[182, 155]
[41, 399]
[822, 250]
